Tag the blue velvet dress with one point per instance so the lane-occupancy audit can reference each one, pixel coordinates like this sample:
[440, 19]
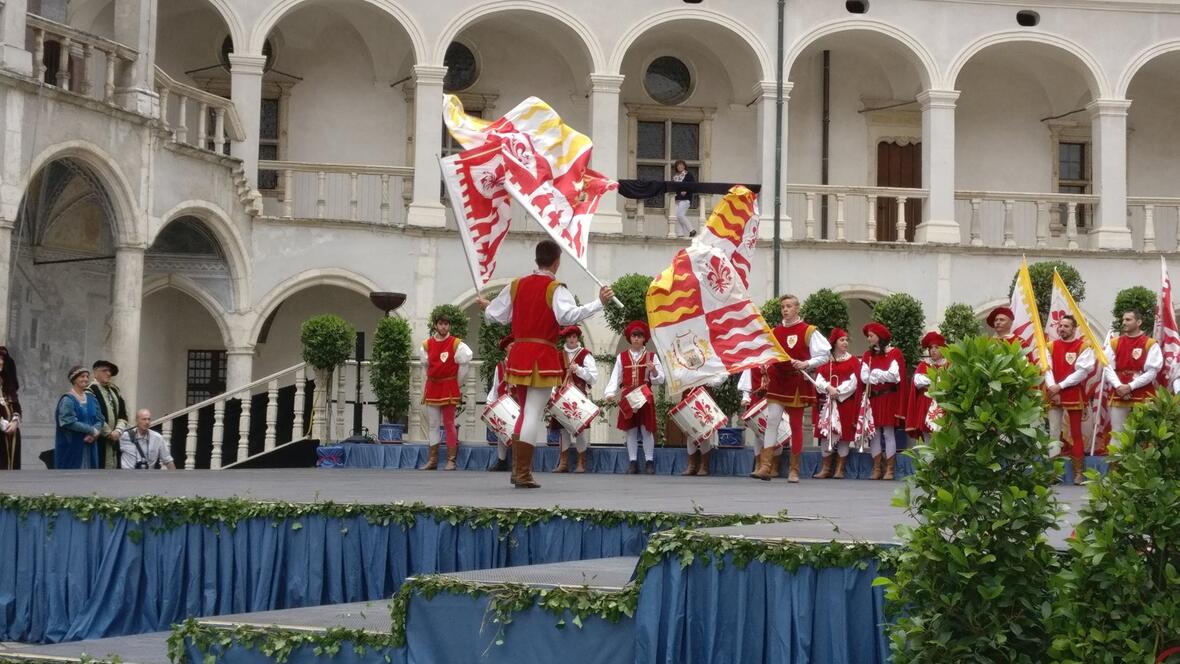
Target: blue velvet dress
[75, 421]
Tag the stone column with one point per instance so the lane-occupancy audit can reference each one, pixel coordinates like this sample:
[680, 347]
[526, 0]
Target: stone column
[766, 94]
[1108, 122]
[135, 26]
[246, 92]
[604, 131]
[5, 276]
[938, 168]
[13, 55]
[126, 307]
[239, 367]
[426, 209]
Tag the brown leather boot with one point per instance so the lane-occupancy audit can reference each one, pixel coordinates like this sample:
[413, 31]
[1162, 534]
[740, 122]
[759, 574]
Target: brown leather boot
[889, 467]
[452, 454]
[703, 468]
[524, 476]
[1079, 477]
[793, 476]
[825, 468]
[765, 459]
[581, 467]
[876, 467]
[432, 460]
[692, 464]
[839, 474]
[562, 464]
[514, 448]
[775, 468]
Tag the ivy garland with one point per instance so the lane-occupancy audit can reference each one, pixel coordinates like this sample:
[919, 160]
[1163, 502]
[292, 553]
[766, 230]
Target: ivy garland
[172, 513]
[277, 643]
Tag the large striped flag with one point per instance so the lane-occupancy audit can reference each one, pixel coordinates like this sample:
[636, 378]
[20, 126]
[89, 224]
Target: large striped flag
[545, 169]
[1027, 322]
[703, 323]
[475, 185]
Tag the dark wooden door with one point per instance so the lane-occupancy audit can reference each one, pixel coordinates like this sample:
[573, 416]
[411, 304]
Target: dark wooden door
[898, 166]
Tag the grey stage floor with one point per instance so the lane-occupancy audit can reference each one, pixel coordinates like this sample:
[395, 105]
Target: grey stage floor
[862, 508]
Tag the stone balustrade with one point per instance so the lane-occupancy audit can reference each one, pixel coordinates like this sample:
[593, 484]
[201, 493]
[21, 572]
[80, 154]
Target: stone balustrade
[75, 61]
[197, 118]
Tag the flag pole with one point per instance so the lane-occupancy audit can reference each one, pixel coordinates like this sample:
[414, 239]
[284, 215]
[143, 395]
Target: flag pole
[464, 232]
[1101, 391]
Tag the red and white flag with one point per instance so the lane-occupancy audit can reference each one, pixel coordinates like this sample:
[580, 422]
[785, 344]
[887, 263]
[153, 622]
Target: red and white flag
[1166, 333]
[1027, 322]
[475, 185]
[866, 427]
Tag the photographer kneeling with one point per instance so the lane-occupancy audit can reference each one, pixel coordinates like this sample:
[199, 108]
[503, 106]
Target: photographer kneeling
[142, 448]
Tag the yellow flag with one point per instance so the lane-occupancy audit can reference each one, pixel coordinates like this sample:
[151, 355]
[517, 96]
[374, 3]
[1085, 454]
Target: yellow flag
[1026, 323]
[1062, 300]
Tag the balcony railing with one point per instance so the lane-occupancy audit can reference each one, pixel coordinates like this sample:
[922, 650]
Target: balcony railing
[1154, 222]
[349, 192]
[1028, 220]
[197, 118]
[854, 213]
[76, 61]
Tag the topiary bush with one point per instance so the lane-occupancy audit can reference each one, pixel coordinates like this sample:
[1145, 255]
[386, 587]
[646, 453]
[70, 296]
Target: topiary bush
[328, 341]
[1041, 275]
[1120, 590]
[772, 312]
[389, 371]
[972, 582]
[631, 289]
[490, 335]
[728, 396]
[959, 322]
[825, 309]
[458, 317]
[1135, 298]
[903, 315]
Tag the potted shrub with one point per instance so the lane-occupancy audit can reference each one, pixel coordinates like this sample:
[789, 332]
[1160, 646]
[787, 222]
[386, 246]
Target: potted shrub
[729, 400]
[959, 322]
[1041, 276]
[389, 374]
[327, 340]
[903, 315]
[825, 309]
[1135, 298]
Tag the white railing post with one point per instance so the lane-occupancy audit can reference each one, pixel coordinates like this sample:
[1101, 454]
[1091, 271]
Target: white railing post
[416, 380]
[1071, 225]
[840, 217]
[86, 87]
[181, 119]
[244, 426]
[272, 414]
[221, 143]
[163, 92]
[321, 204]
[166, 432]
[471, 398]
[809, 220]
[352, 201]
[1009, 223]
[63, 63]
[39, 54]
[218, 434]
[190, 441]
[288, 193]
[1042, 224]
[901, 220]
[202, 129]
[385, 219]
[341, 396]
[871, 223]
[976, 231]
[108, 90]
[1148, 228]
[297, 431]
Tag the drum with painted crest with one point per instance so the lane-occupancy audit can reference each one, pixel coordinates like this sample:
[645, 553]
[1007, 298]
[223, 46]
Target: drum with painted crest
[635, 400]
[501, 415]
[755, 419]
[572, 409]
[698, 415]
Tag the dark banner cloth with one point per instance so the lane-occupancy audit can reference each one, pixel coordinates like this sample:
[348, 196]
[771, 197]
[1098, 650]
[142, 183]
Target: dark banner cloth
[640, 189]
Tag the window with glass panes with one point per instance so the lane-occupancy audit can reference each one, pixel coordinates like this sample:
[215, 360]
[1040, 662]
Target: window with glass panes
[659, 144]
[205, 375]
[1073, 174]
[268, 143]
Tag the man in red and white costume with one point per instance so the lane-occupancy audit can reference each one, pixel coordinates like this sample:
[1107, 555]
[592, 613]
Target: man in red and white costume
[918, 402]
[883, 374]
[839, 379]
[1070, 362]
[501, 387]
[446, 359]
[789, 389]
[634, 368]
[1136, 359]
[1000, 321]
[582, 370]
[537, 306]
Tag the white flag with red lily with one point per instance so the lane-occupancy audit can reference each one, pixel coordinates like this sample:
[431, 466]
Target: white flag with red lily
[866, 427]
[828, 425]
[475, 186]
[1166, 333]
[1026, 323]
[546, 167]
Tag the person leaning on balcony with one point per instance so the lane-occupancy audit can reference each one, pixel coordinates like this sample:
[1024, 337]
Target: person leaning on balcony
[1135, 361]
[79, 424]
[114, 412]
[683, 200]
[446, 360]
[537, 306]
[140, 448]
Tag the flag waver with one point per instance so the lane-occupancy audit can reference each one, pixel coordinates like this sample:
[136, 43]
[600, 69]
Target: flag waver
[1166, 333]
[702, 320]
[475, 185]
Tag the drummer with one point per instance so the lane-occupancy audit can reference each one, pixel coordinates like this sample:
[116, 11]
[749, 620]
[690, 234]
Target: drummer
[501, 387]
[753, 384]
[582, 372]
[699, 450]
[636, 368]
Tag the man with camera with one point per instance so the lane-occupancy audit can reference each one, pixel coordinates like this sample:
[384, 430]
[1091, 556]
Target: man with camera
[141, 448]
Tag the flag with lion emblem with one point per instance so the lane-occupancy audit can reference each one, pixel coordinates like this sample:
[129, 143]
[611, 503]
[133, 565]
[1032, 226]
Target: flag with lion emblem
[703, 323]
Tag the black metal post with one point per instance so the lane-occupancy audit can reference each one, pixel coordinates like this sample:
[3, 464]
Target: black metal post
[357, 405]
[778, 150]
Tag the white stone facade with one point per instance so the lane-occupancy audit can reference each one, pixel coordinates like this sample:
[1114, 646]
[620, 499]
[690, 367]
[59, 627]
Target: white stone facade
[1057, 140]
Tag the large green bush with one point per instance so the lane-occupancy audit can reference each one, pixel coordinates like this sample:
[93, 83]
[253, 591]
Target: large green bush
[825, 309]
[328, 340]
[1041, 276]
[458, 318]
[772, 312]
[631, 290]
[1135, 298]
[1121, 588]
[903, 315]
[490, 335]
[959, 322]
[389, 371]
[972, 583]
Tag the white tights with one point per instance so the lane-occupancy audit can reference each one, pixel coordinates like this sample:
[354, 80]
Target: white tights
[889, 435]
[704, 445]
[581, 442]
[649, 444]
[534, 427]
[841, 449]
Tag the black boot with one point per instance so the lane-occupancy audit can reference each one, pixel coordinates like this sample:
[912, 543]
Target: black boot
[650, 468]
[633, 468]
[500, 466]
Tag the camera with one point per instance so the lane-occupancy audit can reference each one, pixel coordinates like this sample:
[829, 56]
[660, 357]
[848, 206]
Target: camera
[141, 465]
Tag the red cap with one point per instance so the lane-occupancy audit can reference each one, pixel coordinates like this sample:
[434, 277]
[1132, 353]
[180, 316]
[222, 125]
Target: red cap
[566, 331]
[836, 335]
[506, 340]
[637, 326]
[991, 318]
[878, 329]
[933, 338]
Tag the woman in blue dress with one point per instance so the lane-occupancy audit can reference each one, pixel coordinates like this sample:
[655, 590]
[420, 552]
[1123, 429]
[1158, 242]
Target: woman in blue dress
[79, 422]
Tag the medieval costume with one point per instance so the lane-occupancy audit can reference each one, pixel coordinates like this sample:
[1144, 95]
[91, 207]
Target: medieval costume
[883, 374]
[582, 371]
[841, 376]
[636, 370]
[446, 358]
